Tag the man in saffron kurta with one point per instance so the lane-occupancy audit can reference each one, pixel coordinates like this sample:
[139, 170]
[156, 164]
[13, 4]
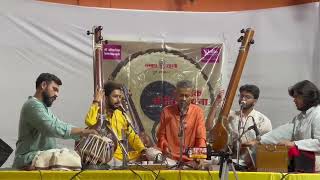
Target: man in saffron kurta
[194, 125]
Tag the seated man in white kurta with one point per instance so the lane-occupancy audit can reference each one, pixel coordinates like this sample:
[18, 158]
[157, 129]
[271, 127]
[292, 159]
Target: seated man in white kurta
[246, 117]
[303, 132]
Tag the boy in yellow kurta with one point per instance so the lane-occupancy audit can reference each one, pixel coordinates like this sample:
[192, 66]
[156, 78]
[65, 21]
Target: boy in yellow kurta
[112, 93]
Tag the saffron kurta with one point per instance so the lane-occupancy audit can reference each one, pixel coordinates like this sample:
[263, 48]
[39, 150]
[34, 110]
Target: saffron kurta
[195, 131]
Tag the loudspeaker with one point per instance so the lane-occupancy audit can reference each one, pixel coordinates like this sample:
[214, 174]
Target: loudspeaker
[5, 152]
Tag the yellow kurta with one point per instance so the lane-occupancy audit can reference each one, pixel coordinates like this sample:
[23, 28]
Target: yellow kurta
[118, 122]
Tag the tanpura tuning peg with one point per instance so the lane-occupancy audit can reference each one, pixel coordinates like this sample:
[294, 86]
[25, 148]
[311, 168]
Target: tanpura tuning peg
[242, 31]
[97, 29]
[88, 33]
[240, 39]
[252, 41]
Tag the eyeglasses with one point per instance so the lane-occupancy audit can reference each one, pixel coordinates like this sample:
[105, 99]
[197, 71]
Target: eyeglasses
[245, 96]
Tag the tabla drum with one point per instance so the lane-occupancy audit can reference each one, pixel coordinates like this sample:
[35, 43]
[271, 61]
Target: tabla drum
[95, 149]
[151, 76]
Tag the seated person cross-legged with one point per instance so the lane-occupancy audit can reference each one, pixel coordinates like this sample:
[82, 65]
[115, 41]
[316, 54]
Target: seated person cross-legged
[39, 128]
[302, 134]
[193, 124]
[118, 122]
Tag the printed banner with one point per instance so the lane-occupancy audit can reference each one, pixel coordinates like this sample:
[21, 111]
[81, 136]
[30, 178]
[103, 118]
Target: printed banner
[151, 71]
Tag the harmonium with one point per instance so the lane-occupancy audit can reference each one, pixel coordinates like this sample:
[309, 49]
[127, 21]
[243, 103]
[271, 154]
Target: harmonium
[272, 158]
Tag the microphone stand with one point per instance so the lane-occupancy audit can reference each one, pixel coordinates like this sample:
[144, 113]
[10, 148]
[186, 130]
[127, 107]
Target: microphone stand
[124, 140]
[255, 128]
[180, 163]
[122, 143]
[239, 134]
[127, 119]
[225, 162]
[258, 138]
[181, 138]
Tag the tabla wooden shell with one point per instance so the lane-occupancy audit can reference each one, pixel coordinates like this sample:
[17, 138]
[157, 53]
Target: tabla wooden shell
[95, 149]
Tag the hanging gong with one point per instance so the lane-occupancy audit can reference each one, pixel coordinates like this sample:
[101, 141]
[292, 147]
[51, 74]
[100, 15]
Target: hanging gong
[151, 77]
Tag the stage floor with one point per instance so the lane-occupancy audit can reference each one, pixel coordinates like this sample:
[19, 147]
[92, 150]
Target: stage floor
[148, 175]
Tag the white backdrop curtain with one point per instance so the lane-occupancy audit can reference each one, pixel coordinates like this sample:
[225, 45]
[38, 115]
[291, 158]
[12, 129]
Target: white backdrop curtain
[45, 37]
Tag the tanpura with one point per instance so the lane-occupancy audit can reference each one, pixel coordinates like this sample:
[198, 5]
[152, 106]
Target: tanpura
[218, 135]
[130, 107]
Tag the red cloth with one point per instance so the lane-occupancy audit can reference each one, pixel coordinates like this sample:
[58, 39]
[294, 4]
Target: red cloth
[293, 152]
[301, 161]
[195, 131]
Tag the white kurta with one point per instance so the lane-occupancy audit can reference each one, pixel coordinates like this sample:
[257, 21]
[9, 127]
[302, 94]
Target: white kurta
[263, 124]
[303, 130]
[262, 121]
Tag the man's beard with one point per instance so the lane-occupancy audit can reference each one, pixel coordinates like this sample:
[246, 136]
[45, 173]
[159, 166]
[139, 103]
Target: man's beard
[303, 108]
[112, 106]
[47, 100]
[247, 106]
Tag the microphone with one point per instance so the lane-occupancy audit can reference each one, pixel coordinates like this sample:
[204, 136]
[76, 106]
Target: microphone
[183, 112]
[242, 104]
[256, 130]
[121, 108]
[130, 123]
[183, 108]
